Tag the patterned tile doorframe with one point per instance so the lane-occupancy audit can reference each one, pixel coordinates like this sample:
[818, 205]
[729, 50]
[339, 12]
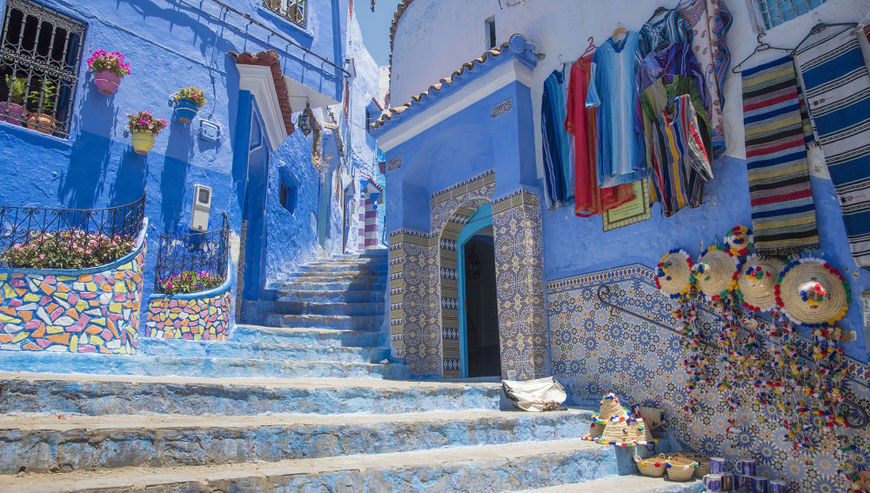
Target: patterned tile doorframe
[423, 282]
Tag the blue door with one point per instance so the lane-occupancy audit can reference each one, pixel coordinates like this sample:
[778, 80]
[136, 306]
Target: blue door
[254, 214]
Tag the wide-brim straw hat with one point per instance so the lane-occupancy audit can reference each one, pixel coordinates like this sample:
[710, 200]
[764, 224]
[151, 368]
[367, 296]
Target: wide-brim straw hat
[812, 292]
[715, 272]
[595, 431]
[757, 281]
[674, 273]
[609, 410]
[739, 240]
[626, 433]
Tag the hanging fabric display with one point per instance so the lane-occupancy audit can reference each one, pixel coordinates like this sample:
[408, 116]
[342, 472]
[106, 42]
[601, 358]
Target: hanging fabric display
[709, 21]
[612, 89]
[662, 29]
[589, 199]
[781, 197]
[558, 161]
[837, 88]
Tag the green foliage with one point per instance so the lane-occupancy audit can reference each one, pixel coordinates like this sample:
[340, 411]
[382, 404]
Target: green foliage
[48, 94]
[190, 282]
[17, 89]
[74, 249]
[192, 93]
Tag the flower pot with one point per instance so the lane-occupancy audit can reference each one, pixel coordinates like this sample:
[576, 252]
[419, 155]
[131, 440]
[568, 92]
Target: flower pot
[185, 110]
[107, 82]
[12, 113]
[142, 141]
[41, 122]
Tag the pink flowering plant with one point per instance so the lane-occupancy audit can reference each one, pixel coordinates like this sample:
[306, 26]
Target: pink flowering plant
[190, 282]
[144, 121]
[104, 61]
[192, 93]
[74, 249]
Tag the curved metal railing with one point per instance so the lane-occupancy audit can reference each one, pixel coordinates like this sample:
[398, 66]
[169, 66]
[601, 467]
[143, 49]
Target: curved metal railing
[192, 252]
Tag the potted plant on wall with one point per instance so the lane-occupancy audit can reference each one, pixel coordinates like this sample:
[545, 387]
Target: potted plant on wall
[188, 100]
[108, 68]
[44, 100]
[143, 127]
[12, 110]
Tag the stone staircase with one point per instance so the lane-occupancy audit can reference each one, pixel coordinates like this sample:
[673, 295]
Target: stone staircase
[304, 398]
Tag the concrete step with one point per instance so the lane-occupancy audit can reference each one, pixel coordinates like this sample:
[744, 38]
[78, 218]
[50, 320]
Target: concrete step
[110, 364]
[299, 284]
[489, 468]
[356, 322]
[260, 350]
[331, 295]
[633, 484]
[346, 267]
[315, 307]
[308, 335]
[46, 393]
[81, 443]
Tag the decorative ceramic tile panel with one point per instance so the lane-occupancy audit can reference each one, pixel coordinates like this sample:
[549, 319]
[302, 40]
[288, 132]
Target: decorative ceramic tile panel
[597, 349]
[206, 318]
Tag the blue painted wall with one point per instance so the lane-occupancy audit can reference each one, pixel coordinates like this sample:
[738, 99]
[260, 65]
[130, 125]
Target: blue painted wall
[172, 44]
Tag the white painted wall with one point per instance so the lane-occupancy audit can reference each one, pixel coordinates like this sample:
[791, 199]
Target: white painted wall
[435, 37]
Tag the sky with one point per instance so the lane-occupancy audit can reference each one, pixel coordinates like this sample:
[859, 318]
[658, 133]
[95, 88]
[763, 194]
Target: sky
[376, 26]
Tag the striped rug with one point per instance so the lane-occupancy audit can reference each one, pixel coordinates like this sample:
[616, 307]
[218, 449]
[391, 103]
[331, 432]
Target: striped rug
[783, 211]
[837, 88]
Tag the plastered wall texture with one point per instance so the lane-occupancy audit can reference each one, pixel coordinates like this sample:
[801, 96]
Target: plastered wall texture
[597, 349]
[205, 318]
[90, 311]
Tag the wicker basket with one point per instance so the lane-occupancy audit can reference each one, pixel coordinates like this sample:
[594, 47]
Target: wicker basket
[703, 461]
[652, 466]
[653, 417]
[680, 468]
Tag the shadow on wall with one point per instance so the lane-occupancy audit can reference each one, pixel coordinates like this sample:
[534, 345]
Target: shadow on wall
[89, 160]
[181, 15]
[173, 178]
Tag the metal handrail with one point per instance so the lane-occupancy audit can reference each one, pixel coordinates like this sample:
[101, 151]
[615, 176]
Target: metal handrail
[205, 251]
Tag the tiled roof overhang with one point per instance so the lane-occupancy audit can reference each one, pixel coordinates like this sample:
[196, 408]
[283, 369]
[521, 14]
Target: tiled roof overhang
[269, 86]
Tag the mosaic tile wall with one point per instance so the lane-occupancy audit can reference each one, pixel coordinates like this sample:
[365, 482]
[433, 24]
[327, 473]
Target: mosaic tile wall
[199, 319]
[597, 349]
[79, 313]
[424, 282]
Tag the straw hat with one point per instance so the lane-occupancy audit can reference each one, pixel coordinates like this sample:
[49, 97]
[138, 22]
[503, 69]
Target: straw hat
[756, 281]
[626, 433]
[610, 410]
[812, 292]
[674, 273]
[595, 431]
[739, 240]
[715, 272]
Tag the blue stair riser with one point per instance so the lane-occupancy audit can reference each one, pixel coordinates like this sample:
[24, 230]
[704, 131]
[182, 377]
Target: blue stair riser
[332, 296]
[334, 268]
[260, 350]
[315, 308]
[97, 398]
[337, 277]
[366, 322]
[104, 364]
[82, 449]
[333, 338]
[305, 285]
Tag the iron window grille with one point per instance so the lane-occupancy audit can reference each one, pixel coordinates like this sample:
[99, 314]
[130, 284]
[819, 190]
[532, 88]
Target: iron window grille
[774, 12]
[40, 49]
[37, 226]
[179, 253]
[292, 10]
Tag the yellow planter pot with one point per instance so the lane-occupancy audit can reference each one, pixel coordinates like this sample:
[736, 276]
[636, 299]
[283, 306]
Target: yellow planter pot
[142, 141]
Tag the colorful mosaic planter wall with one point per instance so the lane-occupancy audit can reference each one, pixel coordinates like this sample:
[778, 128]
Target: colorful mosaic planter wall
[424, 323]
[597, 349]
[95, 310]
[204, 318]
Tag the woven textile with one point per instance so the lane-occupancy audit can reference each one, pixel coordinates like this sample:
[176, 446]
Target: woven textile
[557, 147]
[837, 88]
[783, 211]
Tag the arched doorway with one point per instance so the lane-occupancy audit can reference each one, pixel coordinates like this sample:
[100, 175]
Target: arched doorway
[478, 300]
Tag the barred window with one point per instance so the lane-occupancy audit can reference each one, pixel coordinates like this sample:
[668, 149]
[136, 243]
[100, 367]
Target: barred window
[40, 52]
[775, 12]
[292, 10]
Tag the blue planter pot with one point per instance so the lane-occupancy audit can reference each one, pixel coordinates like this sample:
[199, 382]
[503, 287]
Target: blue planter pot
[185, 110]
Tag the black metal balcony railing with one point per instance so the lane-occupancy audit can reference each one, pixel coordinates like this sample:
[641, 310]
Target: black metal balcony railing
[203, 254]
[36, 237]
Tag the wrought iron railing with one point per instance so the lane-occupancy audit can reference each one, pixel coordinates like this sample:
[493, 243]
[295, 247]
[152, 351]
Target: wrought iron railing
[196, 253]
[78, 234]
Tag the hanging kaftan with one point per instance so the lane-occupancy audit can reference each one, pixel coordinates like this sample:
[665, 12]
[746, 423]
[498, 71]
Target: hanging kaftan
[558, 159]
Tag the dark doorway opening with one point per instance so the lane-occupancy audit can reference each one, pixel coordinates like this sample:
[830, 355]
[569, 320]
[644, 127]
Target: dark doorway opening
[481, 311]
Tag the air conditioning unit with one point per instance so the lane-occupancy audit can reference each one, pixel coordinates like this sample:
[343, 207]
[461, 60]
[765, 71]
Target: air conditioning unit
[201, 208]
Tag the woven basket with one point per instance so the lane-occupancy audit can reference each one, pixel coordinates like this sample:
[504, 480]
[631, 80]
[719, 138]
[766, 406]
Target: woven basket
[680, 468]
[652, 417]
[652, 466]
[703, 461]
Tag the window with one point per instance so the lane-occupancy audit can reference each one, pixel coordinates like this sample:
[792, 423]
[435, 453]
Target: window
[40, 50]
[292, 10]
[287, 197]
[775, 12]
[490, 32]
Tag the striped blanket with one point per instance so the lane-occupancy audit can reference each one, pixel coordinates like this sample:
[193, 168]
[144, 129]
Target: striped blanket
[837, 88]
[783, 211]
